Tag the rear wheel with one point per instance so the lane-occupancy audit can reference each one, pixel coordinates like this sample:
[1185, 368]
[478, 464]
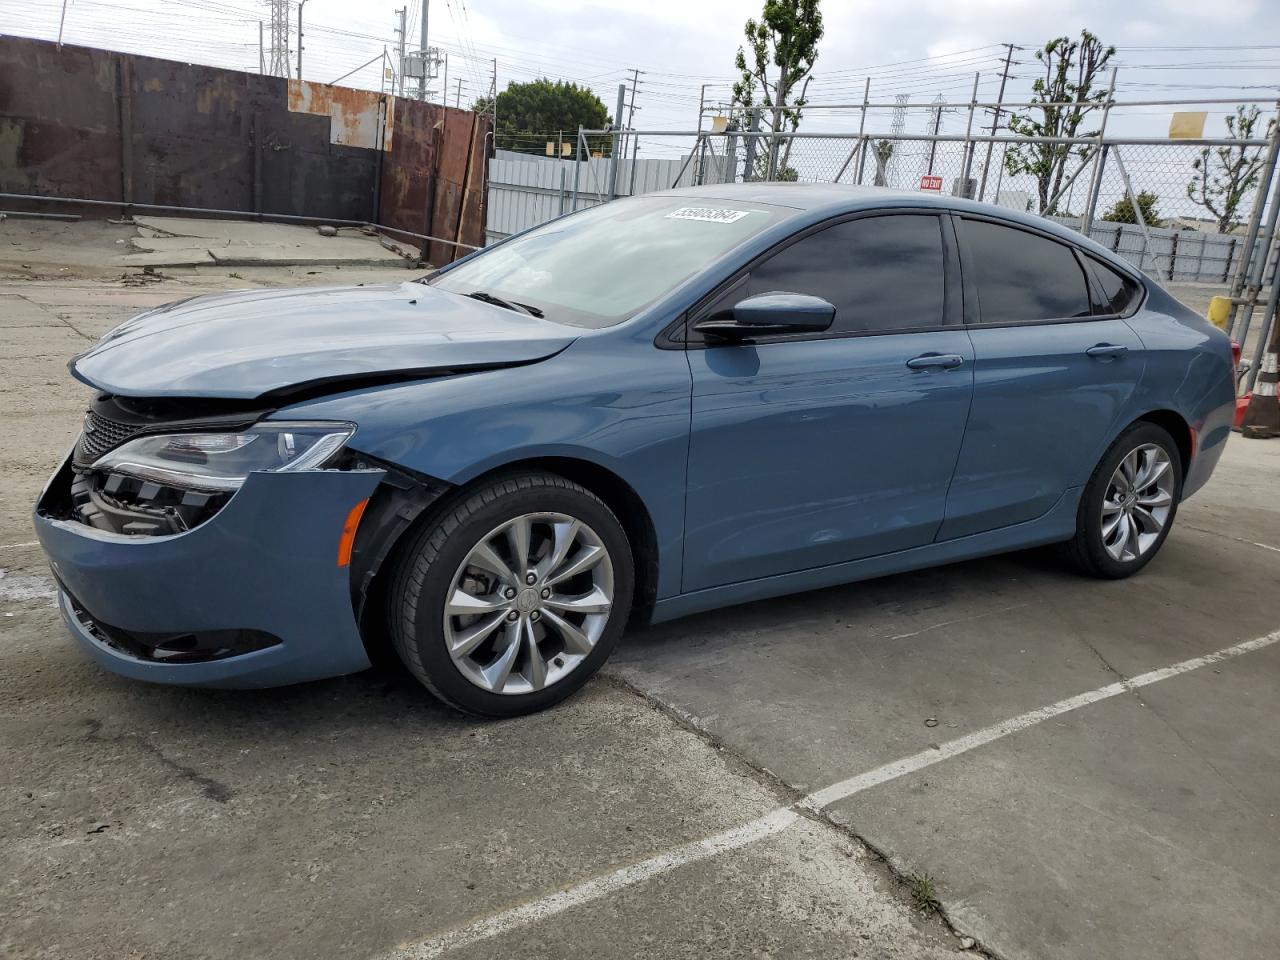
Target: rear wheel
[512, 599]
[1129, 504]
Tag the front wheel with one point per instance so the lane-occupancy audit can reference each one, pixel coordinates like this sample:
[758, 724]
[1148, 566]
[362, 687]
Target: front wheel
[512, 599]
[1129, 504]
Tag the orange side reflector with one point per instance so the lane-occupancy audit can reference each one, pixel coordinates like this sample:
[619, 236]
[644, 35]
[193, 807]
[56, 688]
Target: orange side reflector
[348, 538]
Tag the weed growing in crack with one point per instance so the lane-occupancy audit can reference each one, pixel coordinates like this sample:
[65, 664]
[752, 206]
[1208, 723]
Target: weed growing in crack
[923, 892]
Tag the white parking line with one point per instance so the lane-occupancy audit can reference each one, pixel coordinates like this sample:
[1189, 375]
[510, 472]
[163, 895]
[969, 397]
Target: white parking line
[14, 546]
[781, 818]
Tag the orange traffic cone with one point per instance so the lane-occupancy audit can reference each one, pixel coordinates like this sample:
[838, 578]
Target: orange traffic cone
[1262, 417]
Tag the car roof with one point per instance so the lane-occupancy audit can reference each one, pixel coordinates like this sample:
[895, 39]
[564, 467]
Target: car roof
[817, 201]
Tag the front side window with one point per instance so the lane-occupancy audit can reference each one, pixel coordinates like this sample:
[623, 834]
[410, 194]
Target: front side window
[599, 267]
[1022, 276]
[882, 274]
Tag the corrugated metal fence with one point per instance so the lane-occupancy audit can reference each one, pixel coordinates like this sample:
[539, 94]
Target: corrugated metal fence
[526, 190]
[1191, 255]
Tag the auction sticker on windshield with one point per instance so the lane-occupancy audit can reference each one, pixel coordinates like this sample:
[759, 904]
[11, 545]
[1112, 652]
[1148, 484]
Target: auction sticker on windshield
[708, 214]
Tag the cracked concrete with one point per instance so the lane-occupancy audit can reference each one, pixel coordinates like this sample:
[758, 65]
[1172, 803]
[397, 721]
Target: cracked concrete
[346, 817]
[39, 248]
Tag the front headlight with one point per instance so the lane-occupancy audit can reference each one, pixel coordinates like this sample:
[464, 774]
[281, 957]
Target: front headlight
[222, 461]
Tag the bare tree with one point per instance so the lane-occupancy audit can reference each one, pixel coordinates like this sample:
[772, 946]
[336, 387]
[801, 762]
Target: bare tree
[884, 153]
[1226, 174]
[1064, 96]
[785, 37]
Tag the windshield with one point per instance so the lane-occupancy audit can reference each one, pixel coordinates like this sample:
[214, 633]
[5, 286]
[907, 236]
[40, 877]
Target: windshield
[601, 266]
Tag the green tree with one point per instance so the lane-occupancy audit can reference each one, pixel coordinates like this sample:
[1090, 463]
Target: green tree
[531, 114]
[1122, 210]
[1226, 174]
[781, 49]
[1064, 96]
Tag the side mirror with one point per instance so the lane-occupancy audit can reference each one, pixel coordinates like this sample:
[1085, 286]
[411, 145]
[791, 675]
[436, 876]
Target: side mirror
[770, 313]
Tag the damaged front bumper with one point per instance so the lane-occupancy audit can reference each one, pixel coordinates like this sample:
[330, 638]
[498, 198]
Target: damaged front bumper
[252, 597]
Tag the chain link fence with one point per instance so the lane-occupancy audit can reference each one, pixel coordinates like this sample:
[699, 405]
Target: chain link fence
[1096, 189]
[1138, 196]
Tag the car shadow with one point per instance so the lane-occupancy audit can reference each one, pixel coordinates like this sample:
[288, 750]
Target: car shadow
[388, 696]
[902, 594]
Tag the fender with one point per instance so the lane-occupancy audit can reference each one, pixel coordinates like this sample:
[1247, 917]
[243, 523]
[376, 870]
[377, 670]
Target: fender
[623, 405]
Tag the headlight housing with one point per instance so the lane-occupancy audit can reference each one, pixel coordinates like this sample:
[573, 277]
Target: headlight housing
[223, 461]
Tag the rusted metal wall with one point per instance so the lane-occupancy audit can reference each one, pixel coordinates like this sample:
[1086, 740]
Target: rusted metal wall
[86, 123]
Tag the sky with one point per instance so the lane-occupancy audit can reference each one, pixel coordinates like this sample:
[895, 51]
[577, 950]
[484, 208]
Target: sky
[924, 48]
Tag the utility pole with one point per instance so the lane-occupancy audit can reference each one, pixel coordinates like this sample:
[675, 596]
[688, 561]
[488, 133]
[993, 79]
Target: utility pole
[262, 54]
[700, 146]
[62, 22]
[631, 111]
[939, 103]
[493, 99]
[444, 84]
[400, 40]
[617, 141]
[995, 122]
[301, 4]
[457, 97]
[426, 53]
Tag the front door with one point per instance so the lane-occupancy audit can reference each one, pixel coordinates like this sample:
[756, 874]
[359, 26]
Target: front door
[817, 449]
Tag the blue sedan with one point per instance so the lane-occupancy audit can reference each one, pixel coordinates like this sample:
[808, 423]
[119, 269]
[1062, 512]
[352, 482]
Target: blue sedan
[643, 410]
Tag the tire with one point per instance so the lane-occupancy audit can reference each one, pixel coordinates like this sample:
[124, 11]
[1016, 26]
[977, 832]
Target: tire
[458, 554]
[1097, 548]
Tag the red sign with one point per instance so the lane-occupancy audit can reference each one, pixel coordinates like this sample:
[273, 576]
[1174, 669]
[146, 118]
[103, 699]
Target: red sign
[930, 182]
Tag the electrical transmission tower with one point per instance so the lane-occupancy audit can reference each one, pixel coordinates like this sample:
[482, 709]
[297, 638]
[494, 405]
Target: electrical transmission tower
[897, 124]
[278, 62]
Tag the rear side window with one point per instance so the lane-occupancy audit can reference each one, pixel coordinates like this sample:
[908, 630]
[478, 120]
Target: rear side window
[1119, 293]
[1022, 276]
[882, 274]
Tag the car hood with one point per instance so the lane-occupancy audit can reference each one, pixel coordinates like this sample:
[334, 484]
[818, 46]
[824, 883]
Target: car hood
[248, 344]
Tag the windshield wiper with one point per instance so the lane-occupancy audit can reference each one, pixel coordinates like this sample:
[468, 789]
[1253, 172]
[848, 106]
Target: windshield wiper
[485, 297]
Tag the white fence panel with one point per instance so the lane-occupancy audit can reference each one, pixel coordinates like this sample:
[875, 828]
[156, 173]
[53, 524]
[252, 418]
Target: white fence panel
[526, 190]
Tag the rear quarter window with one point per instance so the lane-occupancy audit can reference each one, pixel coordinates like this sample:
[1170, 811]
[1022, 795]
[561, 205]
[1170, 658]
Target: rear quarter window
[1119, 294]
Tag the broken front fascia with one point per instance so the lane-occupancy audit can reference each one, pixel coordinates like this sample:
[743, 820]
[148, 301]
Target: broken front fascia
[268, 562]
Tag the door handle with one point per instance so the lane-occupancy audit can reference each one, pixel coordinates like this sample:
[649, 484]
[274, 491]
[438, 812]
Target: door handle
[1107, 351]
[935, 361]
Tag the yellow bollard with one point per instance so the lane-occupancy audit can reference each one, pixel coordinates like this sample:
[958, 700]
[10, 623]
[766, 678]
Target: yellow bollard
[1219, 312]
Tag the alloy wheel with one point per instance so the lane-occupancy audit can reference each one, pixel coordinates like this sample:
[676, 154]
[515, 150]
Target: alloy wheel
[528, 603]
[1137, 503]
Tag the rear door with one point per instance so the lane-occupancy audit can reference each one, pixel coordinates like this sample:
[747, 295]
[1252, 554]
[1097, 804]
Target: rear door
[1053, 369]
[813, 449]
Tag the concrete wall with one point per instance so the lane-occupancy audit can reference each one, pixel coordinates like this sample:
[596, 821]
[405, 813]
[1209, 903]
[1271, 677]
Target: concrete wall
[86, 123]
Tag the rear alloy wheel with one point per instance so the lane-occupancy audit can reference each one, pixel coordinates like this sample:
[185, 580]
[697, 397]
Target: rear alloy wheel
[514, 597]
[1129, 504]
[1137, 504]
